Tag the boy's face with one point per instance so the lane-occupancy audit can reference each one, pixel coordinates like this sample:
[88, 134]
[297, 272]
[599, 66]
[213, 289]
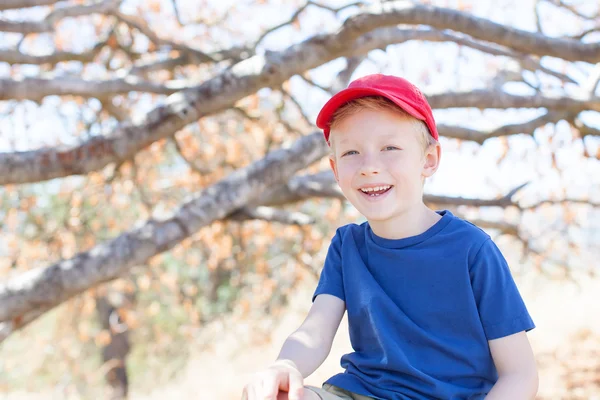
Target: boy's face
[380, 163]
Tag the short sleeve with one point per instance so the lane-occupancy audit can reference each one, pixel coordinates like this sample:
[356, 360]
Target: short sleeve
[331, 281]
[501, 307]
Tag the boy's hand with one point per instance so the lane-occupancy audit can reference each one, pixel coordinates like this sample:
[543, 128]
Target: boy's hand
[282, 376]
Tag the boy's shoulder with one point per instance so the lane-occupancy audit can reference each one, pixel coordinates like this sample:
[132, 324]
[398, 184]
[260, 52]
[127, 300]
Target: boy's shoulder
[352, 227]
[470, 229]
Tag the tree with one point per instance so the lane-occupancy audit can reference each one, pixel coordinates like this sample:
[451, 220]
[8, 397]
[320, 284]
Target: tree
[153, 110]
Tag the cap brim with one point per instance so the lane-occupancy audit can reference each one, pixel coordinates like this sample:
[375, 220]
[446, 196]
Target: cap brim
[346, 95]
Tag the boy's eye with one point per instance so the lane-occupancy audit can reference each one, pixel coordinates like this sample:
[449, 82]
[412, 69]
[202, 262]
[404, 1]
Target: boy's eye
[351, 152]
[391, 148]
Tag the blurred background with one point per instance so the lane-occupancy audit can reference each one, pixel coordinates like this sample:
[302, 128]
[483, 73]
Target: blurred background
[115, 115]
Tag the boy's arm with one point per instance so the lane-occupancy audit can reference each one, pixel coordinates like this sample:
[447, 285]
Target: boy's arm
[310, 344]
[517, 371]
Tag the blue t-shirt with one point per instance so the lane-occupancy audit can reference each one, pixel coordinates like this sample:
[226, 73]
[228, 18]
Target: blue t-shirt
[422, 309]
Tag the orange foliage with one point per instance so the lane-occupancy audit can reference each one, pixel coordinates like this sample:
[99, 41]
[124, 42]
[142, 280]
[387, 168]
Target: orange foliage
[102, 338]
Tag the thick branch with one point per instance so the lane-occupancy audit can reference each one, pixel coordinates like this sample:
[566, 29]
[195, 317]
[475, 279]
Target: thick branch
[567, 200]
[38, 88]
[48, 23]
[301, 188]
[485, 98]
[402, 12]
[272, 215]
[382, 37]
[12, 4]
[43, 289]
[457, 132]
[16, 57]
[504, 227]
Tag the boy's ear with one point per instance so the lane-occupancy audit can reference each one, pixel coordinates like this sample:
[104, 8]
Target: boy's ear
[334, 167]
[432, 160]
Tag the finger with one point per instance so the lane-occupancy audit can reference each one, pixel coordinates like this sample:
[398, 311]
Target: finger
[251, 393]
[269, 387]
[296, 386]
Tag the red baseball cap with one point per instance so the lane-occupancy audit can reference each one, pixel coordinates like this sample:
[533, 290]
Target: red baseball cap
[403, 93]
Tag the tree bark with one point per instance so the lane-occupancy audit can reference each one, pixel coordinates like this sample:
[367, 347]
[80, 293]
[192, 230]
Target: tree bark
[114, 354]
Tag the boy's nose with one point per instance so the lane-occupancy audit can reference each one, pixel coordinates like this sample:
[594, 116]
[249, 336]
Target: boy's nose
[370, 167]
[369, 170]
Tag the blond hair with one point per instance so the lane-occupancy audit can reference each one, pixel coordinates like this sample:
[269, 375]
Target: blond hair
[380, 103]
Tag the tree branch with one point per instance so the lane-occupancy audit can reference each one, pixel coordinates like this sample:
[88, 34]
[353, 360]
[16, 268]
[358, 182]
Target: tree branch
[297, 13]
[312, 83]
[271, 214]
[9, 327]
[300, 188]
[45, 288]
[166, 64]
[199, 169]
[47, 25]
[504, 227]
[525, 60]
[38, 88]
[119, 113]
[573, 10]
[402, 12]
[234, 54]
[16, 57]
[343, 77]
[305, 117]
[382, 37]
[141, 25]
[585, 130]
[528, 128]
[583, 34]
[12, 4]
[482, 99]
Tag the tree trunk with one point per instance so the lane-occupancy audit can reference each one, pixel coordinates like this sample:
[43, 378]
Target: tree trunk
[114, 354]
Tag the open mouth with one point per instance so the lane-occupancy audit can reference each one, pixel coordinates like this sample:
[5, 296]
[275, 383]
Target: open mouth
[376, 191]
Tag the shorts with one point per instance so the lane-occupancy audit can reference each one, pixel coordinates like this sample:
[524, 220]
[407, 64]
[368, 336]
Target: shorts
[330, 392]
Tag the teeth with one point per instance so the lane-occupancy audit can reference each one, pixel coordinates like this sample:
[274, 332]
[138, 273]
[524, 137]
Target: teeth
[375, 189]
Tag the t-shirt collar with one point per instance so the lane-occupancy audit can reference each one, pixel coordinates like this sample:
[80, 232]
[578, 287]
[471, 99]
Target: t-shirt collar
[412, 240]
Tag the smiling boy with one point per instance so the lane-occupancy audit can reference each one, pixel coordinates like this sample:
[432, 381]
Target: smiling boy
[433, 310]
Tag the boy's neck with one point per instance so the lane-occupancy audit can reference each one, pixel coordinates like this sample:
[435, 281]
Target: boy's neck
[412, 222]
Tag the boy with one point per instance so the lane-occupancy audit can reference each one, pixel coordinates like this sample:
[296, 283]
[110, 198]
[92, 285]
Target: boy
[433, 311]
